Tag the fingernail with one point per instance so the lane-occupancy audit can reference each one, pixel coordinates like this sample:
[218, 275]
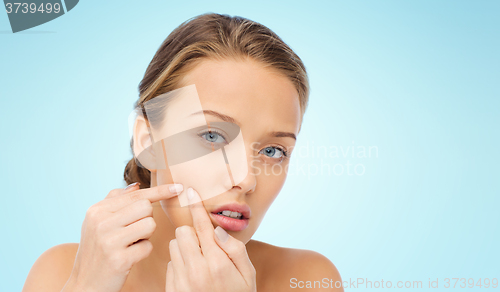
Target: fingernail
[132, 185]
[190, 194]
[221, 234]
[176, 188]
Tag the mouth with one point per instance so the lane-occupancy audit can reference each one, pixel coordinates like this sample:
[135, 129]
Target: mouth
[232, 217]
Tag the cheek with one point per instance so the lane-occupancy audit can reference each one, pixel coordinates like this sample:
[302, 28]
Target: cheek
[176, 214]
[272, 178]
[208, 175]
[269, 185]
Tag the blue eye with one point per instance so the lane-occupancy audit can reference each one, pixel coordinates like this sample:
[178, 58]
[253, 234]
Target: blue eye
[213, 137]
[273, 152]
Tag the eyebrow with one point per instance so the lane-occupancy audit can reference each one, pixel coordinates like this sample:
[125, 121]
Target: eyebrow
[284, 134]
[223, 117]
[229, 119]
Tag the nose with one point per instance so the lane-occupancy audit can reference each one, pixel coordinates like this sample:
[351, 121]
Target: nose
[248, 184]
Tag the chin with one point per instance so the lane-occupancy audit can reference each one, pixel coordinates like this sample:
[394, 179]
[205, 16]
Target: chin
[243, 236]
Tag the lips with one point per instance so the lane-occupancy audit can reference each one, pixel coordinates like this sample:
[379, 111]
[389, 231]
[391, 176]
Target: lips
[228, 223]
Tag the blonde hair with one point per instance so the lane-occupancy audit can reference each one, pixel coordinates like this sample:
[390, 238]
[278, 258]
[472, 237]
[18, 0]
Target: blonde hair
[217, 36]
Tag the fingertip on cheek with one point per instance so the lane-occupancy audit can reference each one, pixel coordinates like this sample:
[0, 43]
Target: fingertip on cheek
[132, 185]
[172, 242]
[176, 188]
[221, 234]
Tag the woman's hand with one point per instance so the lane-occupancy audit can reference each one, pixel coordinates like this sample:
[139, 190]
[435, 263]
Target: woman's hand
[221, 264]
[114, 237]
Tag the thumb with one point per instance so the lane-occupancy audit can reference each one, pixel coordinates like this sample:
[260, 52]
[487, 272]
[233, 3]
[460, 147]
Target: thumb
[236, 251]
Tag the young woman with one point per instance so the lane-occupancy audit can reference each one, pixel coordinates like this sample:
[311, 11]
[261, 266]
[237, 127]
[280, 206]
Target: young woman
[140, 239]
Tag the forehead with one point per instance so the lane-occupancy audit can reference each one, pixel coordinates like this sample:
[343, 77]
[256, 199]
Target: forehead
[248, 92]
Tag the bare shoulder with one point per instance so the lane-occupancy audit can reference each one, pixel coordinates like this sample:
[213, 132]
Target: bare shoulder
[286, 269]
[52, 269]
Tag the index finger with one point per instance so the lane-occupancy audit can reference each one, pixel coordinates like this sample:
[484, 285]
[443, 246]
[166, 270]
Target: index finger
[201, 223]
[153, 194]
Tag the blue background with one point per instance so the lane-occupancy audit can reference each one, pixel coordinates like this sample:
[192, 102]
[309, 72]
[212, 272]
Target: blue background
[418, 80]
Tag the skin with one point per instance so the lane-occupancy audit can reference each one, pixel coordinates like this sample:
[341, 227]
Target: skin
[266, 102]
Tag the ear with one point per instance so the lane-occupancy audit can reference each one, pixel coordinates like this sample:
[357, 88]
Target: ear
[142, 146]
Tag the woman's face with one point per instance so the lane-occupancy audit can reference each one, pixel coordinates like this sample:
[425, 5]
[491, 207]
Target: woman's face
[265, 106]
